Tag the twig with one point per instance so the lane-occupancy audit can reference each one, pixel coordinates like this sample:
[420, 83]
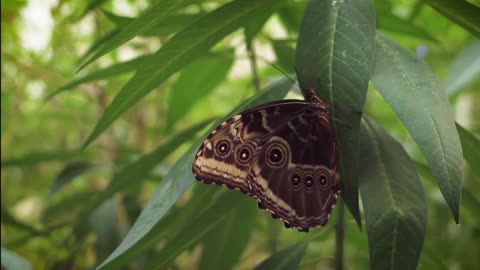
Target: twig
[339, 235]
[253, 64]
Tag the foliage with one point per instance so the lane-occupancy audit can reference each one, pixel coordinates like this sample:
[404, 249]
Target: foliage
[100, 126]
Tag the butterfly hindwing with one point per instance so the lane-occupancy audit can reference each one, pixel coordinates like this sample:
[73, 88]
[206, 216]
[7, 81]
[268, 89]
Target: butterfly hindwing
[301, 187]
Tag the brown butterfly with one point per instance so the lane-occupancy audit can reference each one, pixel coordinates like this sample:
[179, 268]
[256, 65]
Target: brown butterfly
[283, 154]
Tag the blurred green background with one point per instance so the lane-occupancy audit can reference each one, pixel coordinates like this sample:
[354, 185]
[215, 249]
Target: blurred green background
[47, 180]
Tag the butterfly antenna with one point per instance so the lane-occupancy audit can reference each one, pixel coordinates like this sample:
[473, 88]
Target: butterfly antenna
[293, 81]
[339, 121]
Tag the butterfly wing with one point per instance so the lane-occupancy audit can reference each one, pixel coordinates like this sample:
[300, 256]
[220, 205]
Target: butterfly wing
[229, 151]
[282, 153]
[294, 176]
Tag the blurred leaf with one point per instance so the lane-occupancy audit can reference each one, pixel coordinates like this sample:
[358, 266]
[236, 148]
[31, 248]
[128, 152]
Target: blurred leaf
[471, 148]
[93, 4]
[255, 24]
[195, 229]
[103, 73]
[13, 261]
[104, 221]
[392, 23]
[412, 90]
[287, 259]
[335, 52]
[196, 81]
[393, 200]
[285, 54]
[66, 207]
[179, 51]
[464, 69]
[172, 24]
[290, 15]
[34, 158]
[173, 186]
[461, 12]
[98, 43]
[132, 174]
[9, 220]
[225, 243]
[70, 172]
[155, 14]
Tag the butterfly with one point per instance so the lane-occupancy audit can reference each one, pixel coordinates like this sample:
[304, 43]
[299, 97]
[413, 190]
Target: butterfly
[283, 154]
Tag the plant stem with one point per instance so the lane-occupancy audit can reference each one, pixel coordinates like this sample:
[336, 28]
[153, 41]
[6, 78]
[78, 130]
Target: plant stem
[339, 237]
[253, 65]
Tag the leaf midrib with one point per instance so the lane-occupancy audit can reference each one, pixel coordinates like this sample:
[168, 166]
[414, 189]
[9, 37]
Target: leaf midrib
[380, 154]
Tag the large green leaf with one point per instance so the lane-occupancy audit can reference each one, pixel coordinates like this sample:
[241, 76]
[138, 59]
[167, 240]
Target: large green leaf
[393, 200]
[157, 13]
[287, 259]
[179, 51]
[173, 186]
[410, 87]
[464, 69]
[225, 243]
[465, 14]
[195, 82]
[13, 261]
[334, 56]
[471, 148]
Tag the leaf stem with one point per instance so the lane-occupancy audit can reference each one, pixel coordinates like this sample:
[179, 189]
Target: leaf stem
[339, 237]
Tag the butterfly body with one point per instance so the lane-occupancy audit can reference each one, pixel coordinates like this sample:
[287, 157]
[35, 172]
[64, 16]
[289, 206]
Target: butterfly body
[282, 153]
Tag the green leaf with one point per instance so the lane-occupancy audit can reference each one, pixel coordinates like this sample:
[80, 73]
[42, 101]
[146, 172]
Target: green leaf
[285, 54]
[471, 148]
[290, 15]
[104, 73]
[225, 243]
[255, 24]
[287, 259]
[132, 174]
[392, 23]
[9, 220]
[98, 43]
[70, 172]
[177, 181]
[172, 24]
[197, 228]
[464, 69]
[178, 52]
[410, 87]
[92, 5]
[393, 200]
[104, 224]
[35, 158]
[461, 12]
[13, 261]
[335, 52]
[195, 82]
[157, 13]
